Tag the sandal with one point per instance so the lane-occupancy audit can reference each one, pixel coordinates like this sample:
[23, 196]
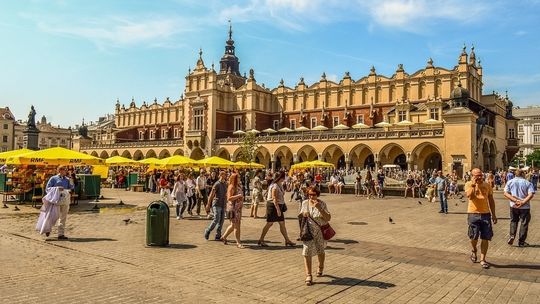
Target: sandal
[290, 244]
[485, 264]
[224, 241]
[262, 244]
[309, 280]
[473, 257]
[320, 271]
[240, 246]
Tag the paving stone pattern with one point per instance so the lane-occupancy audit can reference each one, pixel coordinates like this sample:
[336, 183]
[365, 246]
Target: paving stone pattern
[422, 258]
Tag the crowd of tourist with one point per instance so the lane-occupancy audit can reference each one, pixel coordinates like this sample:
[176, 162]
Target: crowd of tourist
[222, 194]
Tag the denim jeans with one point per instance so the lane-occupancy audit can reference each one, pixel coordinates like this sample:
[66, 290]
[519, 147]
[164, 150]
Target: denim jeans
[219, 217]
[444, 202]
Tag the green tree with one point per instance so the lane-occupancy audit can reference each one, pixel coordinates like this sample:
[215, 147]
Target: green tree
[248, 148]
[534, 158]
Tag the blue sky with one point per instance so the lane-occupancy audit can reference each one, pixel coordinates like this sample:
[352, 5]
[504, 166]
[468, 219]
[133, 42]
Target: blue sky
[73, 59]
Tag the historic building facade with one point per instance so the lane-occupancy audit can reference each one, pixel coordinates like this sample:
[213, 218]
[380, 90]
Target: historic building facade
[7, 121]
[432, 118]
[528, 129]
[49, 136]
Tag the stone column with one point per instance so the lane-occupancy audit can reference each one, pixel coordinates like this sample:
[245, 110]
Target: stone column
[295, 158]
[347, 163]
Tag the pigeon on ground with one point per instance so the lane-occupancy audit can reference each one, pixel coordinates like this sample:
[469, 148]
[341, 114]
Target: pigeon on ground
[5, 206]
[419, 202]
[127, 220]
[16, 209]
[456, 204]
[391, 220]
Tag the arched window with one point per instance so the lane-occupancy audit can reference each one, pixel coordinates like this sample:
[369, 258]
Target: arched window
[438, 88]
[406, 90]
[391, 93]
[422, 90]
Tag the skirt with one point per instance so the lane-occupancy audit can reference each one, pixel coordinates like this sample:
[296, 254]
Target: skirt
[271, 212]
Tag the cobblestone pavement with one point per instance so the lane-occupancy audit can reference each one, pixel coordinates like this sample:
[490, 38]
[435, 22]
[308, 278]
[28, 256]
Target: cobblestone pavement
[421, 258]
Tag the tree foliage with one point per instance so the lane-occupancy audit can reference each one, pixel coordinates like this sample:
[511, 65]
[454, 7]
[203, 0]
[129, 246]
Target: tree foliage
[248, 148]
[534, 158]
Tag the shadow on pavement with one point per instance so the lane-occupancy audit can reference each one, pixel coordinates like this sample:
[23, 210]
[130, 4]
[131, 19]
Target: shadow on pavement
[346, 281]
[181, 246]
[86, 240]
[518, 266]
[346, 242]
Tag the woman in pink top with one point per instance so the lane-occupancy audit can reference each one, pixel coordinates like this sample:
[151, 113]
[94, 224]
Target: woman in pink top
[235, 200]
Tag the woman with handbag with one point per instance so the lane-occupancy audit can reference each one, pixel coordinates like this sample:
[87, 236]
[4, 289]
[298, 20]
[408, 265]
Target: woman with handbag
[316, 217]
[235, 199]
[275, 208]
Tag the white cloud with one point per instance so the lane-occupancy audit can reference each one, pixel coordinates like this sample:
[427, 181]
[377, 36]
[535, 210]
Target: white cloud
[117, 31]
[520, 33]
[413, 15]
[401, 15]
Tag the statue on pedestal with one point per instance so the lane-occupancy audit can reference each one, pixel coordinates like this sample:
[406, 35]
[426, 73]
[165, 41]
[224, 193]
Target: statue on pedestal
[31, 123]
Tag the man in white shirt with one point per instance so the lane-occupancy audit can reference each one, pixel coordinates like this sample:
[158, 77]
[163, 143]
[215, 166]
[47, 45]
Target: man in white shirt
[200, 188]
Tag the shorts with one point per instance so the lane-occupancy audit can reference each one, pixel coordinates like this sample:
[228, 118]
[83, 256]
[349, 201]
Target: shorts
[480, 226]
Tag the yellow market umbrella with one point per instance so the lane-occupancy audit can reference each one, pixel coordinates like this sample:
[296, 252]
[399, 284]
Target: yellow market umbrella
[176, 161]
[256, 165]
[312, 164]
[241, 165]
[121, 161]
[149, 161]
[321, 164]
[4, 155]
[214, 161]
[55, 156]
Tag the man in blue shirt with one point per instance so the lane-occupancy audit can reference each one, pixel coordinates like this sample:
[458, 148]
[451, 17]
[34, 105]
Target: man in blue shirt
[62, 182]
[520, 193]
[442, 188]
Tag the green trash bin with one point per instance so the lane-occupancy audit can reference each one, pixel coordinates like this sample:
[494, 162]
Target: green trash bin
[132, 179]
[157, 224]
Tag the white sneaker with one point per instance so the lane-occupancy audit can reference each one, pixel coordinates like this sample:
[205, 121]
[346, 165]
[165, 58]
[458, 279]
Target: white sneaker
[209, 216]
[177, 217]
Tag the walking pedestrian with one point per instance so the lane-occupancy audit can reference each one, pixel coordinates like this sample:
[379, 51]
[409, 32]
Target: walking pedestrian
[200, 189]
[179, 196]
[442, 189]
[61, 182]
[315, 212]
[257, 194]
[235, 202]
[190, 193]
[480, 215]
[275, 209]
[217, 200]
[520, 193]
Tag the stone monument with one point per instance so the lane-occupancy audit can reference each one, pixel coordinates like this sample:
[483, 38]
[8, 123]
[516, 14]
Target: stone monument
[31, 132]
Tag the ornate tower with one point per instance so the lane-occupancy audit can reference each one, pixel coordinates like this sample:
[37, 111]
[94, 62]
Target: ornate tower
[229, 62]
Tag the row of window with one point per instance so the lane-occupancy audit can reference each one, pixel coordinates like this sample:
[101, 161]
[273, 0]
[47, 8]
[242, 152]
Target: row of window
[402, 115]
[164, 134]
[536, 128]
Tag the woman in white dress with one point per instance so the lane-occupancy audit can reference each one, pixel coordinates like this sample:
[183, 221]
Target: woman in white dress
[179, 196]
[316, 213]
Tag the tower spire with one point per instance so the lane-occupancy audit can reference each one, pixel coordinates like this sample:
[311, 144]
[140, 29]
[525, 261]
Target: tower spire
[230, 30]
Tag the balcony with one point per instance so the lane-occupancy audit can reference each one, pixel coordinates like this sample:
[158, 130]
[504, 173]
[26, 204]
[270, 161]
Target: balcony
[345, 135]
[136, 144]
[512, 142]
[195, 133]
